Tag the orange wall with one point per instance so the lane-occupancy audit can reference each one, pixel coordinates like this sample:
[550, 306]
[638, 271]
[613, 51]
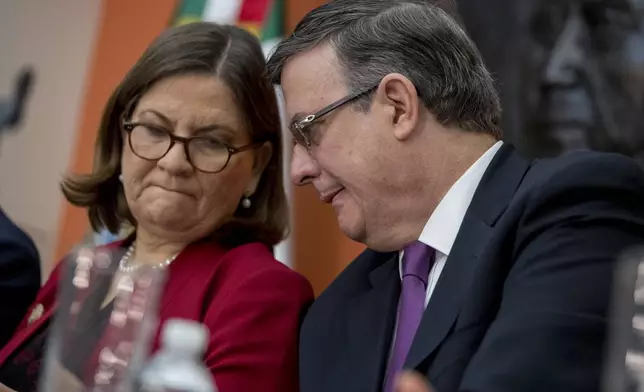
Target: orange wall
[127, 27]
[296, 9]
[321, 250]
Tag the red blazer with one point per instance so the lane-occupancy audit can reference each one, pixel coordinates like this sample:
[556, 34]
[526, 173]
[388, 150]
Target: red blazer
[251, 303]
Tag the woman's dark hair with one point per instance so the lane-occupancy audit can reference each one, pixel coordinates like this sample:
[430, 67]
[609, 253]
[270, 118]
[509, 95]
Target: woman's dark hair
[235, 57]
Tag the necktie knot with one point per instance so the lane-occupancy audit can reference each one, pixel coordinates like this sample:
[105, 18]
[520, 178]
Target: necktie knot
[416, 260]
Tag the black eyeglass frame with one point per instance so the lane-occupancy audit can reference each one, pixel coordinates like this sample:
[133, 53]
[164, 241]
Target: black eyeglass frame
[128, 127]
[300, 127]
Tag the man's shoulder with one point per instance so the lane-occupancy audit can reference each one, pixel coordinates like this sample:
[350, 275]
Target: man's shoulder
[583, 167]
[577, 182]
[353, 280]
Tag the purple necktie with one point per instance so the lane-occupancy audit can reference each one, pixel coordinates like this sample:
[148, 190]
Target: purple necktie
[417, 258]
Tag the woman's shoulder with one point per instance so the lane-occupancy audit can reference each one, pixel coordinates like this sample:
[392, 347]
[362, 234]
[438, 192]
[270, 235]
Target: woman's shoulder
[257, 257]
[255, 262]
[254, 253]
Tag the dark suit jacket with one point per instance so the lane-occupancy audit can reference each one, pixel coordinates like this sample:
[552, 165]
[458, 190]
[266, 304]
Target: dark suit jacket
[250, 302]
[522, 302]
[19, 276]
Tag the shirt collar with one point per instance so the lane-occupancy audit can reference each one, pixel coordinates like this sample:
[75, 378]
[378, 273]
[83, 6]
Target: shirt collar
[443, 225]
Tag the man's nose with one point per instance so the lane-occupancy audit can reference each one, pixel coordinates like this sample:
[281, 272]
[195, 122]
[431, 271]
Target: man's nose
[303, 167]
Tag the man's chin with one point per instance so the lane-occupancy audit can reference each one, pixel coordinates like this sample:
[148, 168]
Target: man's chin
[353, 229]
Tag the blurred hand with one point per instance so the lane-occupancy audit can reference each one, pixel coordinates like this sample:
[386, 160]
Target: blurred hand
[4, 388]
[65, 380]
[412, 382]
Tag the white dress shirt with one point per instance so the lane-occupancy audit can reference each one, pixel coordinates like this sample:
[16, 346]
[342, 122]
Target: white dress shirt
[442, 227]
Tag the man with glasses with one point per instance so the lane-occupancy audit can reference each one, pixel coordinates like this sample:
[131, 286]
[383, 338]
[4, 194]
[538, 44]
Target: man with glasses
[485, 271]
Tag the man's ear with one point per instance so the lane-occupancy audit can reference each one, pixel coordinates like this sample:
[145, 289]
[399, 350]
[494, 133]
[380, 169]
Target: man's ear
[262, 156]
[400, 97]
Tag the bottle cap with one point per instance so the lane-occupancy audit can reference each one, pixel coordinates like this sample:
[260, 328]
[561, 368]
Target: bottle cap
[185, 335]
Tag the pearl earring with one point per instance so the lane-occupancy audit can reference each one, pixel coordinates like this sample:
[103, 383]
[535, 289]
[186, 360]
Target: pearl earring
[245, 202]
[121, 177]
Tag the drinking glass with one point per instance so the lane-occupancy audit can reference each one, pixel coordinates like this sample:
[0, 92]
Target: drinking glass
[104, 323]
[625, 347]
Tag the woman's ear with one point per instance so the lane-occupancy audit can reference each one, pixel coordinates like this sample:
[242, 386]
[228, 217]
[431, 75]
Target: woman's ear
[262, 156]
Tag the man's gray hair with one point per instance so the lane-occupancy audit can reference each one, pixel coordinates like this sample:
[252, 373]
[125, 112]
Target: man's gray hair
[416, 38]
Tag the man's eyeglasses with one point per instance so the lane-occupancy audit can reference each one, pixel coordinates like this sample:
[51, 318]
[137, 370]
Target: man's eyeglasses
[204, 153]
[300, 129]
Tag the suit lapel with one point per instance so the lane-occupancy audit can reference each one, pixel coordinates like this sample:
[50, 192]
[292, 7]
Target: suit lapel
[189, 272]
[492, 197]
[25, 333]
[371, 317]
[457, 275]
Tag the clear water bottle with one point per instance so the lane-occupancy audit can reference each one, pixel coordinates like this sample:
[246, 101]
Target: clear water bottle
[178, 366]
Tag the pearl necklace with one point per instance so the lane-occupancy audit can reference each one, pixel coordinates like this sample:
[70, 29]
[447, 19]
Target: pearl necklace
[126, 268]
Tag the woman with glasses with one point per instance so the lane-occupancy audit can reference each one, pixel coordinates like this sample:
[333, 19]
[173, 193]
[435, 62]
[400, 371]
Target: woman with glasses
[189, 154]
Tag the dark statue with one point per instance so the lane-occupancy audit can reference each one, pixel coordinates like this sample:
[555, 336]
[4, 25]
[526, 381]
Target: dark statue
[570, 72]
